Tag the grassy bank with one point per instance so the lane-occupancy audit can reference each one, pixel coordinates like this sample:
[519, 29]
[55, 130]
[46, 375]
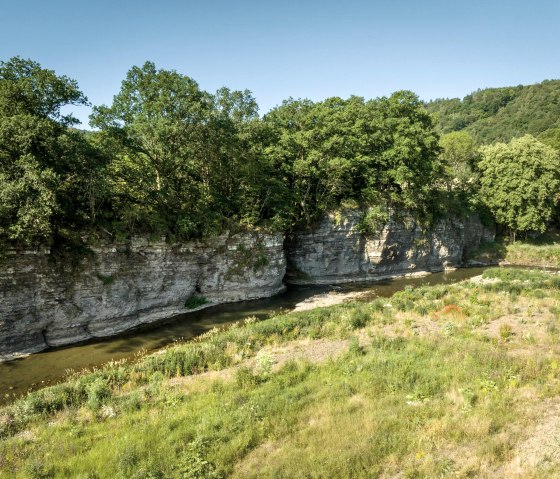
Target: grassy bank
[543, 252]
[444, 381]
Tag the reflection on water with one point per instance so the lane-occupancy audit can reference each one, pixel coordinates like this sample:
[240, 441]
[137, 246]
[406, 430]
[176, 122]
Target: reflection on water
[51, 366]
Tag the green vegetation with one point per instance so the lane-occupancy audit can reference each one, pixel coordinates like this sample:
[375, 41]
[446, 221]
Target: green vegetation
[543, 252]
[500, 114]
[170, 159]
[444, 381]
[195, 302]
[49, 173]
[520, 183]
[378, 152]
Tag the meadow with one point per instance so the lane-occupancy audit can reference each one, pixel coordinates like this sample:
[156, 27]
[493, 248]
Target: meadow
[439, 381]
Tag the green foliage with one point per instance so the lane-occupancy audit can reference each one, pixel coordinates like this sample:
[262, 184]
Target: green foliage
[358, 318]
[195, 302]
[373, 220]
[520, 183]
[263, 363]
[460, 156]
[50, 174]
[500, 114]
[184, 159]
[145, 425]
[194, 465]
[173, 160]
[98, 391]
[551, 138]
[381, 151]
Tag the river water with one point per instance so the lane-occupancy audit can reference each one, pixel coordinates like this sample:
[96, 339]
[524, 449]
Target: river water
[49, 367]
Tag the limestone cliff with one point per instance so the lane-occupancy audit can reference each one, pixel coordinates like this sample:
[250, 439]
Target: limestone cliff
[51, 301]
[335, 252]
[46, 301]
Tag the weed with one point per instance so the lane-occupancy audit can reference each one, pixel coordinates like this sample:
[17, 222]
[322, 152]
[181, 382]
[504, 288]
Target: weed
[354, 348]
[358, 318]
[195, 302]
[97, 393]
[245, 377]
[506, 332]
[264, 363]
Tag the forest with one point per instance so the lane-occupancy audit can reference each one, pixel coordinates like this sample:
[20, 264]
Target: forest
[168, 158]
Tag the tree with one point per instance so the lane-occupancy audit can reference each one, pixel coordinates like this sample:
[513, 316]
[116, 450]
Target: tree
[378, 152]
[40, 168]
[184, 161]
[460, 156]
[520, 183]
[159, 122]
[551, 137]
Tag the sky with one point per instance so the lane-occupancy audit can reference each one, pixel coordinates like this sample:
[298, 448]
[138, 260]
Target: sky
[301, 49]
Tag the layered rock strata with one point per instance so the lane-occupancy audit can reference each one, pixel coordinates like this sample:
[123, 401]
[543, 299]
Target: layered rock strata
[52, 301]
[334, 251]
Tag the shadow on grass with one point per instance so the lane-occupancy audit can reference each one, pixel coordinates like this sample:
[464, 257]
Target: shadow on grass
[490, 251]
[541, 250]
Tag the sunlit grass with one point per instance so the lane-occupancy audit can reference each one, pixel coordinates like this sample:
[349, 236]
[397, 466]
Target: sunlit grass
[426, 392]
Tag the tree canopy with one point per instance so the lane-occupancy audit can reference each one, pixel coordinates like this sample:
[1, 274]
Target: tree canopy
[520, 183]
[500, 114]
[169, 158]
[46, 168]
[382, 151]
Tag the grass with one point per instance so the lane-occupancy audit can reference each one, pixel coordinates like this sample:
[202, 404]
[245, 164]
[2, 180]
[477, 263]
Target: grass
[542, 252]
[431, 384]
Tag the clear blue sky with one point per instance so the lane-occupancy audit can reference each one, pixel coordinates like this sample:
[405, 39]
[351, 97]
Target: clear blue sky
[277, 49]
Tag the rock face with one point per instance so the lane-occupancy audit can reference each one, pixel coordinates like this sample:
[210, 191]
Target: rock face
[46, 301]
[335, 252]
[51, 301]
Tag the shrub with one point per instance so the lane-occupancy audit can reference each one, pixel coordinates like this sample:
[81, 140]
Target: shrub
[97, 393]
[195, 302]
[245, 378]
[358, 318]
[194, 463]
[354, 348]
[377, 305]
[264, 363]
[506, 332]
[373, 220]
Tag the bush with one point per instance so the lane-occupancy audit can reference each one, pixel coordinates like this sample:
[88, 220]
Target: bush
[194, 463]
[195, 302]
[97, 393]
[358, 317]
[506, 332]
[264, 363]
[373, 220]
[245, 378]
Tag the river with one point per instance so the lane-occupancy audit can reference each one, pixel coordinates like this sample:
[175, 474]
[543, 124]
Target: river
[51, 366]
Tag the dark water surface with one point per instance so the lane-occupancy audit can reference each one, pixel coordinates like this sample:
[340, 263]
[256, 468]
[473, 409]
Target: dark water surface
[51, 366]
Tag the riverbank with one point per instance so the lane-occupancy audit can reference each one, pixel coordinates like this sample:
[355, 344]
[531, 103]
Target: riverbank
[456, 379]
[543, 253]
[50, 367]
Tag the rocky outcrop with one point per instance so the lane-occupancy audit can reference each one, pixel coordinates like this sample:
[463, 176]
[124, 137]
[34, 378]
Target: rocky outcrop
[335, 252]
[47, 301]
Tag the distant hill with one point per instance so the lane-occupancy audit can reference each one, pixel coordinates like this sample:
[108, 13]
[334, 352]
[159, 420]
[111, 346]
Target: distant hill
[499, 114]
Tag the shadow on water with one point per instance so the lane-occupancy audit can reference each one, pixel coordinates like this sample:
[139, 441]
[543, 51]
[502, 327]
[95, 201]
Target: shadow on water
[49, 367]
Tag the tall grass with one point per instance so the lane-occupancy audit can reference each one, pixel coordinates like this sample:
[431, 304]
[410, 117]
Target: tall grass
[450, 404]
